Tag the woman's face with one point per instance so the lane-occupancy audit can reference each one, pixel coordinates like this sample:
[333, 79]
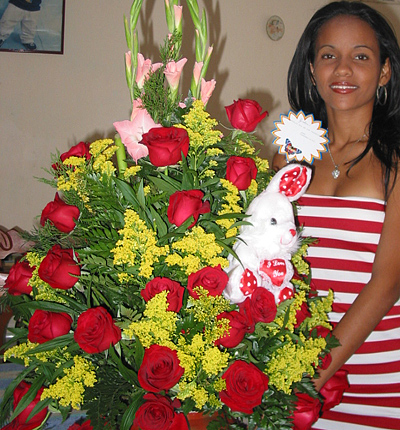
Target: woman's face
[347, 68]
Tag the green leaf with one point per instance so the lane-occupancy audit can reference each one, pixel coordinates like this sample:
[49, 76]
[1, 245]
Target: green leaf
[130, 412]
[58, 342]
[128, 374]
[29, 396]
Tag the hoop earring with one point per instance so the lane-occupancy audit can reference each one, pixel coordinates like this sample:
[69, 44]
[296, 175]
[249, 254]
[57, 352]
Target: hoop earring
[379, 94]
[310, 94]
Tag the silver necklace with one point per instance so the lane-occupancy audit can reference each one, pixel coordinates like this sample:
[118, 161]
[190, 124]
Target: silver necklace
[336, 170]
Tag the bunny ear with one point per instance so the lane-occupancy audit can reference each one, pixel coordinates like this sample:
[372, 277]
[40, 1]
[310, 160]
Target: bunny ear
[291, 181]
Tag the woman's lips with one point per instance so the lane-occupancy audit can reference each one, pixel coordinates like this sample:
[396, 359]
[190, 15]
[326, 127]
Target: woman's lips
[342, 87]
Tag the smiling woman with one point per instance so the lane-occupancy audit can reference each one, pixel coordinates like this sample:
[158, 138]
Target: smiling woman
[346, 72]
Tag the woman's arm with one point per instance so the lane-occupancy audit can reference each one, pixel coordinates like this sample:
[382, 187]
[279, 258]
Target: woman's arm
[376, 298]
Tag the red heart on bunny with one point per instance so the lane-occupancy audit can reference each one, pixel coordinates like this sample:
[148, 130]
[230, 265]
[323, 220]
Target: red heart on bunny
[275, 270]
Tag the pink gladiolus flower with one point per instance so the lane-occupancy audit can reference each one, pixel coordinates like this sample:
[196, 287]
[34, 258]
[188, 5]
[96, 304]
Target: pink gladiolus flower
[207, 88]
[143, 69]
[178, 15]
[173, 72]
[197, 71]
[131, 132]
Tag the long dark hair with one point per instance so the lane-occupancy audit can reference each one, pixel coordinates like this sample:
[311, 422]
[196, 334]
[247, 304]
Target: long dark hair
[384, 129]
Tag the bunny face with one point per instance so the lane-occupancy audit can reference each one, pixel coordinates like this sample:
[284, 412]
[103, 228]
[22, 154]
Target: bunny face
[272, 232]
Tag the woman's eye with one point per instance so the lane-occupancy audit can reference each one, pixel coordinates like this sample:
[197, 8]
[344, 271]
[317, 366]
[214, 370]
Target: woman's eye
[273, 221]
[327, 56]
[361, 57]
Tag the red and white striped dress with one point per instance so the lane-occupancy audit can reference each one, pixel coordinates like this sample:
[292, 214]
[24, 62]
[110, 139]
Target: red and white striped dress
[348, 229]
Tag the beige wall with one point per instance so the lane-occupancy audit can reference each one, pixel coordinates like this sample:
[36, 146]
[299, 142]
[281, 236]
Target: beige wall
[50, 102]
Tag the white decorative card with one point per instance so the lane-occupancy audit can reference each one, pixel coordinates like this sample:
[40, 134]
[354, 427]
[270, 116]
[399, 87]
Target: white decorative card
[300, 137]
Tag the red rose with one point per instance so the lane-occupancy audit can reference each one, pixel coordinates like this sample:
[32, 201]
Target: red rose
[334, 388]
[84, 426]
[306, 412]
[238, 327]
[45, 325]
[158, 413]
[212, 279]
[166, 144]
[81, 149]
[61, 215]
[184, 204]
[95, 330]
[175, 292]
[245, 114]
[59, 269]
[302, 314]
[240, 171]
[321, 331]
[20, 422]
[245, 386]
[263, 306]
[18, 278]
[325, 361]
[160, 369]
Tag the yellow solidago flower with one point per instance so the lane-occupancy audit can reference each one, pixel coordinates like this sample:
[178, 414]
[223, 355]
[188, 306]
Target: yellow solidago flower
[138, 246]
[298, 261]
[262, 164]
[97, 147]
[231, 205]
[75, 180]
[70, 388]
[288, 364]
[131, 171]
[20, 351]
[214, 361]
[319, 310]
[75, 161]
[200, 128]
[157, 325]
[245, 148]
[200, 244]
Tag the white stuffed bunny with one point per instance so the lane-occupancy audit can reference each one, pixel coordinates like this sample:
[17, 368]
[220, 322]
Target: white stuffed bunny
[264, 247]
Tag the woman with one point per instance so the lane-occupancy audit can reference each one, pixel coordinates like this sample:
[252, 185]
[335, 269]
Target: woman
[346, 71]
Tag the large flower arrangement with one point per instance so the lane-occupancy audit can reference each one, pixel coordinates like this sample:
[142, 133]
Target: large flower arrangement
[119, 304]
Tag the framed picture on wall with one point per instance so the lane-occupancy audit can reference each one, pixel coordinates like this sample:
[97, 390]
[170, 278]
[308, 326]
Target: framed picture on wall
[32, 26]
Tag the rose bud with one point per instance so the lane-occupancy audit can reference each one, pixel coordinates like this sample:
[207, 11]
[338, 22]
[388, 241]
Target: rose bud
[334, 388]
[20, 422]
[302, 314]
[245, 386]
[61, 215]
[81, 149]
[166, 144]
[184, 204]
[238, 327]
[160, 369]
[263, 306]
[59, 268]
[45, 325]
[18, 278]
[175, 292]
[159, 412]
[245, 114]
[212, 279]
[240, 171]
[95, 331]
[306, 412]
